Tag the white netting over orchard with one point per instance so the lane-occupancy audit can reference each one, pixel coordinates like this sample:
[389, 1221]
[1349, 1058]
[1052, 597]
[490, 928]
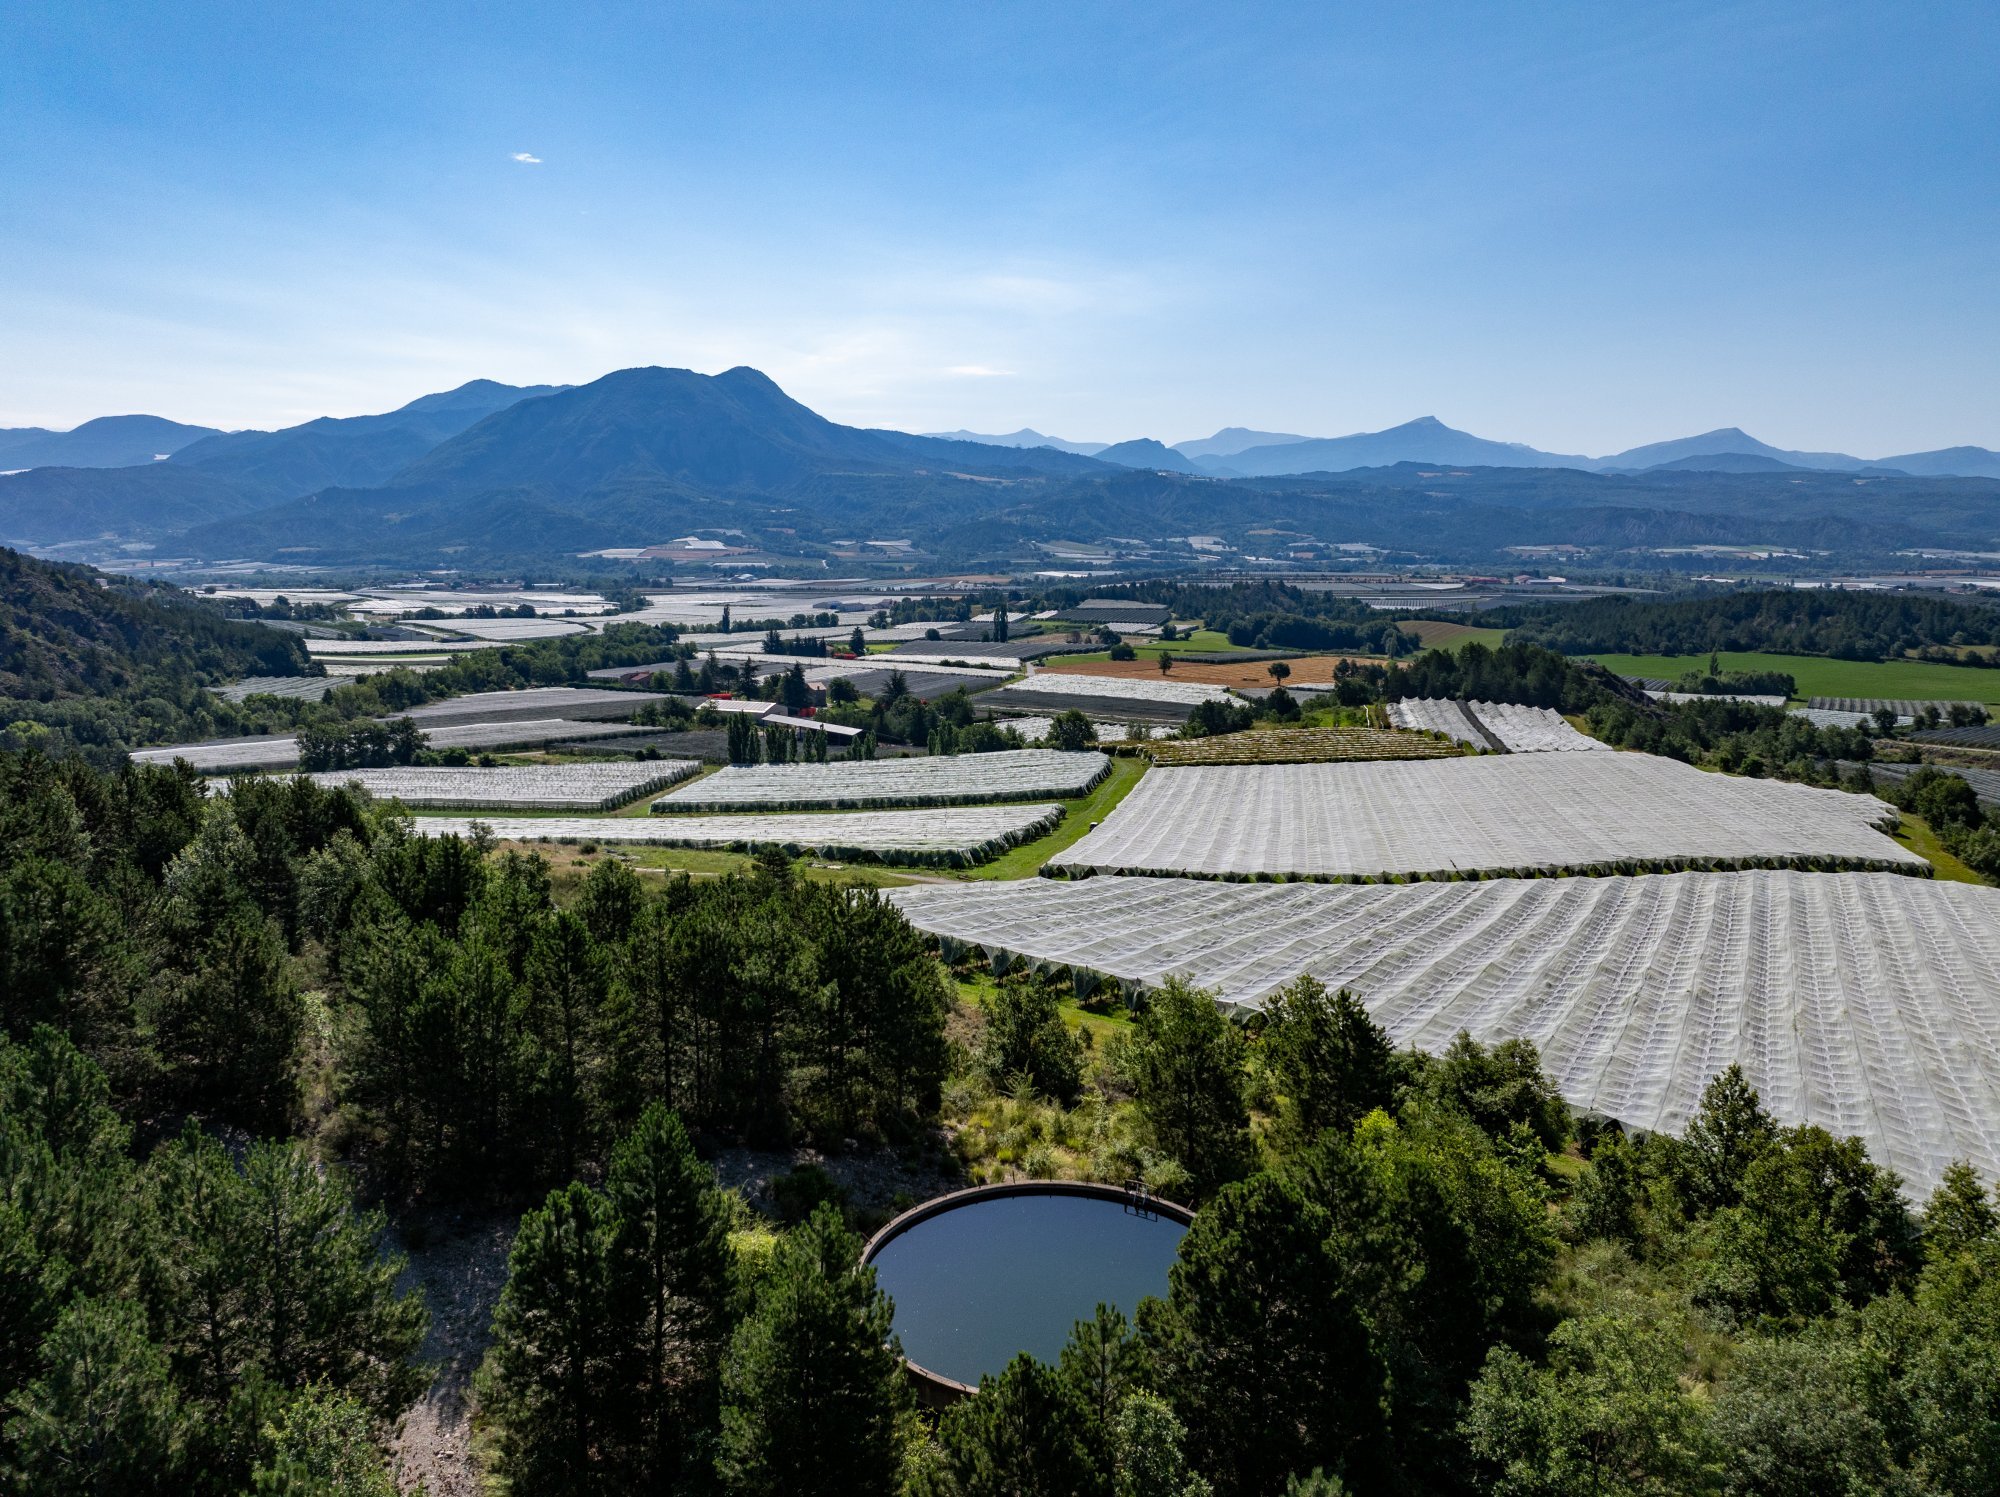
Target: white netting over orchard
[1863, 1002]
[955, 837]
[523, 787]
[1533, 730]
[1018, 774]
[1508, 726]
[1130, 688]
[1486, 814]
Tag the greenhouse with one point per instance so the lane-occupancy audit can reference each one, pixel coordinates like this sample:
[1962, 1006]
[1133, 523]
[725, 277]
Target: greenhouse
[1865, 1003]
[959, 779]
[1479, 815]
[521, 787]
[954, 838]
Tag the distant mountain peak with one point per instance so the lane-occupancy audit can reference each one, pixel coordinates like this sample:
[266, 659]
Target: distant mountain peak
[1145, 452]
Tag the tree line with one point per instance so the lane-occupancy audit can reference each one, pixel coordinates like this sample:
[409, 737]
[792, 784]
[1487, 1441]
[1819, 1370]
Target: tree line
[1783, 621]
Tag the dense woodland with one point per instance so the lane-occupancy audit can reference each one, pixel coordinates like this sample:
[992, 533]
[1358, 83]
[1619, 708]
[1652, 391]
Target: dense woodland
[1787, 621]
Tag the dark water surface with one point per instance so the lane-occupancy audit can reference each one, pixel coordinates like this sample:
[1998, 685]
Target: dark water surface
[978, 1283]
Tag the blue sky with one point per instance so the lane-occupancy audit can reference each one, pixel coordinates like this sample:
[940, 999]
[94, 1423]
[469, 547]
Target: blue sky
[1578, 225]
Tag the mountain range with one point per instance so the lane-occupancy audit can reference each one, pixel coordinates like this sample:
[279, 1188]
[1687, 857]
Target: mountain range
[107, 442]
[498, 474]
[1239, 452]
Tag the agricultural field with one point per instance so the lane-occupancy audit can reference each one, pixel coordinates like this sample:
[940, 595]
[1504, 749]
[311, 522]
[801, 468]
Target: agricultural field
[1817, 676]
[1505, 726]
[1445, 634]
[1905, 709]
[1533, 730]
[1306, 670]
[1860, 1002]
[1480, 816]
[281, 751]
[298, 688]
[1143, 686]
[516, 787]
[1034, 729]
[1986, 737]
[956, 780]
[958, 837]
[1301, 746]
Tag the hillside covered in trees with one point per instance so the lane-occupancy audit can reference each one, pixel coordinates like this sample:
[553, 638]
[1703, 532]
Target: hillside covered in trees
[1786, 621]
[92, 661]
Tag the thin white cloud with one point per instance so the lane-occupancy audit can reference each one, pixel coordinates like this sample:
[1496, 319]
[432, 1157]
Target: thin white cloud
[527, 158]
[979, 371]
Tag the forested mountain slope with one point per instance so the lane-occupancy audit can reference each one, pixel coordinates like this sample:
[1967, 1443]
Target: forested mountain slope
[101, 663]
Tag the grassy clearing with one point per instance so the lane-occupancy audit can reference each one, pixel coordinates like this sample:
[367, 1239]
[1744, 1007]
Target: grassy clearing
[1443, 634]
[1916, 835]
[1025, 860]
[1195, 642]
[1820, 677]
[571, 864]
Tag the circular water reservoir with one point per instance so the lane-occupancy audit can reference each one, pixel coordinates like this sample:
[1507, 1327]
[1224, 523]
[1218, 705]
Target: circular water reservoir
[982, 1275]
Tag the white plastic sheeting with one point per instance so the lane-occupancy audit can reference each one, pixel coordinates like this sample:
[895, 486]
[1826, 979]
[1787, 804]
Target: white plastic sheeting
[1747, 699]
[1132, 688]
[955, 837]
[1446, 818]
[1508, 726]
[524, 787]
[1034, 729]
[1862, 1002]
[1533, 730]
[1433, 715]
[281, 751]
[959, 779]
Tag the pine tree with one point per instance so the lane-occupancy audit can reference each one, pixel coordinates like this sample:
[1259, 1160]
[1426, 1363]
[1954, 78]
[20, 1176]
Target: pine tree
[1959, 1215]
[1026, 1431]
[103, 1420]
[1186, 1063]
[1728, 1133]
[813, 1390]
[551, 1381]
[1262, 1347]
[1331, 1061]
[670, 1298]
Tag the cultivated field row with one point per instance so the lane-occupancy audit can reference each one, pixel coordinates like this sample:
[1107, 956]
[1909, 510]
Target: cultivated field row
[1856, 1001]
[961, 779]
[518, 787]
[1479, 816]
[959, 837]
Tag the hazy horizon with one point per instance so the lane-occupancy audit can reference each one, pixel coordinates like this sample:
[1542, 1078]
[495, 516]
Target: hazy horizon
[1576, 229]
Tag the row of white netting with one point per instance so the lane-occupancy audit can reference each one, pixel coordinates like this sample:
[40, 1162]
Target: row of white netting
[956, 836]
[1015, 774]
[1865, 1003]
[1507, 725]
[1488, 814]
[523, 787]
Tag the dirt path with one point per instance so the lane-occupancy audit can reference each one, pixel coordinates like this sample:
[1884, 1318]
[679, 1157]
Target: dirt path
[459, 1261]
